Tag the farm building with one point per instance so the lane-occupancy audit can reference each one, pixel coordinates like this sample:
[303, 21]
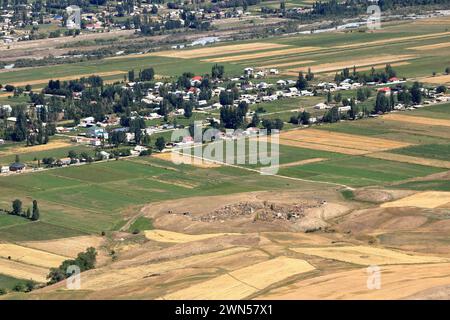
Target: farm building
[4, 169]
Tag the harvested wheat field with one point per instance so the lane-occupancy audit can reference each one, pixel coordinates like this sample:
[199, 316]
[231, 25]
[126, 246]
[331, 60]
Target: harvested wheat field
[333, 66]
[337, 142]
[76, 76]
[67, 247]
[364, 255]
[398, 39]
[30, 256]
[397, 282]
[417, 120]
[301, 162]
[410, 159]
[37, 148]
[244, 282]
[217, 50]
[431, 46]
[23, 271]
[176, 237]
[261, 54]
[120, 275]
[177, 157]
[437, 80]
[285, 64]
[427, 199]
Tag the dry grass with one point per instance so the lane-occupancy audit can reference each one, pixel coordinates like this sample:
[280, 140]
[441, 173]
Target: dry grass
[30, 256]
[216, 50]
[23, 271]
[241, 283]
[431, 46]
[417, 120]
[41, 147]
[68, 247]
[337, 142]
[76, 76]
[333, 66]
[410, 159]
[436, 80]
[301, 162]
[427, 199]
[285, 64]
[187, 159]
[397, 282]
[261, 54]
[364, 255]
[176, 237]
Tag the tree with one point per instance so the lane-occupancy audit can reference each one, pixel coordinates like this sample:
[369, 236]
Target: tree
[217, 71]
[255, 120]
[160, 143]
[301, 82]
[20, 128]
[35, 215]
[17, 207]
[147, 74]
[188, 107]
[72, 154]
[416, 95]
[28, 213]
[131, 75]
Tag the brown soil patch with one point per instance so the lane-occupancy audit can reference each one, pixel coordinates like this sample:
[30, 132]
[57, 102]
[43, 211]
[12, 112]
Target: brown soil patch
[337, 142]
[186, 159]
[41, 147]
[410, 159]
[417, 120]
[437, 80]
[261, 54]
[427, 199]
[216, 50]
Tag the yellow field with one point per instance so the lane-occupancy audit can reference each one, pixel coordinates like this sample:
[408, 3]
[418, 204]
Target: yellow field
[176, 237]
[23, 271]
[367, 256]
[417, 120]
[186, 159]
[333, 66]
[261, 54]
[76, 76]
[410, 159]
[68, 247]
[30, 256]
[431, 46]
[337, 142]
[437, 80]
[427, 199]
[397, 282]
[241, 283]
[381, 42]
[216, 50]
[37, 148]
[285, 64]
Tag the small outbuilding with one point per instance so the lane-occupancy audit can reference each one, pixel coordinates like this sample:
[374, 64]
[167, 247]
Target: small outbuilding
[16, 166]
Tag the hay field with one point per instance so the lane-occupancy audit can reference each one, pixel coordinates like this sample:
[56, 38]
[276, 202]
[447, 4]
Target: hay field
[30, 256]
[397, 282]
[261, 54]
[337, 142]
[333, 66]
[302, 162]
[67, 78]
[427, 199]
[186, 159]
[68, 247]
[216, 50]
[285, 64]
[436, 80]
[176, 237]
[37, 148]
[417, 120]
[243, 282]
[23, 271]
[364, 255]
[410, 159]
[394, 40]
[431, 46]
